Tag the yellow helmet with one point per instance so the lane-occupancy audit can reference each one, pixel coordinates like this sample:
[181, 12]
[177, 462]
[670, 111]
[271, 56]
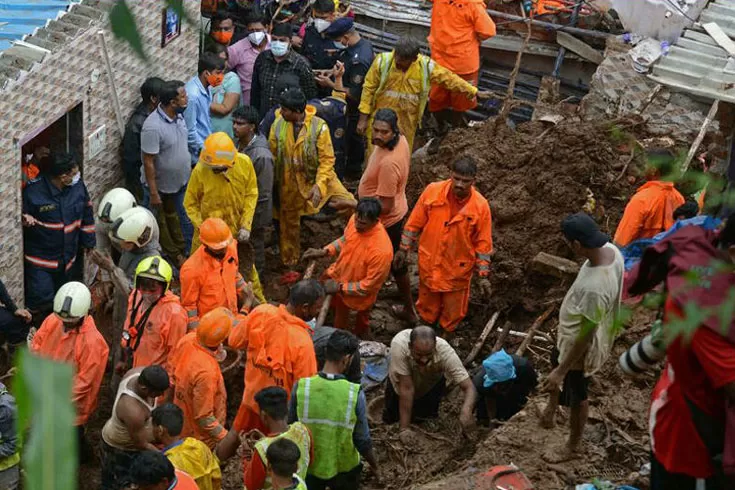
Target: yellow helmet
[218, 151]
[154, 268]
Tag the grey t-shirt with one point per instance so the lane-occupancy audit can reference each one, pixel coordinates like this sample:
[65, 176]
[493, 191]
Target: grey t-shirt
[167, 139]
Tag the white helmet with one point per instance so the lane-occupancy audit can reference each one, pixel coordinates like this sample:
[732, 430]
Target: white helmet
[72, 301]
[135, 225]
[115, 203]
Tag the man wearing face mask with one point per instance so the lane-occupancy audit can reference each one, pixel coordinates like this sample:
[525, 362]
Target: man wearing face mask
[70, 335]
[243, 53]
[199, 387]
[167, 166]
[155, 320]
[275, 63]
[401, 80]
[58, 222]
[421, 367]
[279, 347]
[210, 73]
[224, 185]
[356, 54]
[221, 30]
[210, 277]
[317, 48]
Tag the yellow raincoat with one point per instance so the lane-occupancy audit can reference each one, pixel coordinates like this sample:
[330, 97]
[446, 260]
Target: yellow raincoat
[407, 93]
[230, 196]
[195, 458]
[301, 163]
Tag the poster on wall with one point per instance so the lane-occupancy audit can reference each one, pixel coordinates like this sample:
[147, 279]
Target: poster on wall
[170, 26]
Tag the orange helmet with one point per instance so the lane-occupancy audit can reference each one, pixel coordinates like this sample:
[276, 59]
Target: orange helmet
[215, 233]
[218, 150]
[214, 327]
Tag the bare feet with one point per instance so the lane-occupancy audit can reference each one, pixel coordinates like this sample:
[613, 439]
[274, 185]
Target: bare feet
[548, 418]
[560, 454]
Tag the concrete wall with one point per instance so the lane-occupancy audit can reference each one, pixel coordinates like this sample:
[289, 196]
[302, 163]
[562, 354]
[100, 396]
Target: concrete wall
[64, 79]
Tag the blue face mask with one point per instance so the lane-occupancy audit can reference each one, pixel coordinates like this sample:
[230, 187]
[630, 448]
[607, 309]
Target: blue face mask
[339, 45]
[279, 48]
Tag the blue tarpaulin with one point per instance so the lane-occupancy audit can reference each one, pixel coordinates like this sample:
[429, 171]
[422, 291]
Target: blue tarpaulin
[19, 18]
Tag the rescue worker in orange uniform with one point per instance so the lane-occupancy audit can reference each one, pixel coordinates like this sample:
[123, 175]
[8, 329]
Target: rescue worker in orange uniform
[156, 321]
[651, 209]
[199, 387]
[452, 225]
[210, 277]
[458, 27]
[70, 335]
[279, 347]
[364, 258]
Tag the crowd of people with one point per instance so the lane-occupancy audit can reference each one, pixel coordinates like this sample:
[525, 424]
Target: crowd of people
[279, 120]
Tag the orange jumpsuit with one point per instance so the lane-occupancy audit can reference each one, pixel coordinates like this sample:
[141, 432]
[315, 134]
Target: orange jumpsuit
[85, 349]
[207, 283]
[455, 240]
[361, 269]
[200, 391]
[166, 325]
[457, 29]
[649, 212]
[279, 353]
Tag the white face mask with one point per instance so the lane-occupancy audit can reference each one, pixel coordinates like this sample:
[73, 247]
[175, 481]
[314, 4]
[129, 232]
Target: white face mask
[256, 37]
[279, 48]
[76, 178]
[339, 45]
[321, 25]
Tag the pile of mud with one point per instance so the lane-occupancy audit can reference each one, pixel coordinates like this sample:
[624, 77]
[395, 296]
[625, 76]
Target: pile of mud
[533, 177]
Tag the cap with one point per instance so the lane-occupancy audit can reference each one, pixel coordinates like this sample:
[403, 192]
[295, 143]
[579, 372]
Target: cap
[339, 27]
[582, 228]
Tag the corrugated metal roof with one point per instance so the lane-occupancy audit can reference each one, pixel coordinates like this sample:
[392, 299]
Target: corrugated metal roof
[696, 63]
[20, 18]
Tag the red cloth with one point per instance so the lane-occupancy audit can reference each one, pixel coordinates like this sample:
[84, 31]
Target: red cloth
[695, 371]
[254, 472]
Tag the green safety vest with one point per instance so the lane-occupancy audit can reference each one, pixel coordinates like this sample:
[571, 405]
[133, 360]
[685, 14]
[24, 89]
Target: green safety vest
[298, 434]
[311, 150]
[385, 62]
[327, 408]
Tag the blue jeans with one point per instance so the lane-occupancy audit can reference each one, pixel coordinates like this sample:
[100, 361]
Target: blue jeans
[187, 228]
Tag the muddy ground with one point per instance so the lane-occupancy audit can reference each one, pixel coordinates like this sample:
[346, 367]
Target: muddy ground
[533, 177]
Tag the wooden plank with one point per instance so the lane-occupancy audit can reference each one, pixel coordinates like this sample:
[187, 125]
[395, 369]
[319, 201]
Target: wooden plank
[580, 47]
[716, 33]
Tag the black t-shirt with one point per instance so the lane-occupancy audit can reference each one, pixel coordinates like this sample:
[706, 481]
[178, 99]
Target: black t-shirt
[512, 399]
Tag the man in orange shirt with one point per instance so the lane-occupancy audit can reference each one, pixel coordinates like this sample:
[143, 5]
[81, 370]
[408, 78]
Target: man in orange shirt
[155, 321]
[457, 29]
[279, 347]
[452, 225]
[364, 257]
[199, 387]
[69, 335]
[210, 277]
[651, 210]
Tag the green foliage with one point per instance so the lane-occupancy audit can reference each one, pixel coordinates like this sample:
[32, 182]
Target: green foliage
[42, 389]
[123, 27]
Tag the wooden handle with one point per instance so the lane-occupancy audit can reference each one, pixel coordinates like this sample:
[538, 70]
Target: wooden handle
[481, 341]
[539, 321]
[323, 312]
[310, 270]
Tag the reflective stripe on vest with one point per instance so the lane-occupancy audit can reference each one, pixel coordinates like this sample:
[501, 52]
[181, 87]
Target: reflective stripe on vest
[327, 408]
[311, 150]
[385, 61]
[299, 435]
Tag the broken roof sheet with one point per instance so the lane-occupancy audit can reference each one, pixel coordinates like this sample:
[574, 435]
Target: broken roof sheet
[20, 18]
[696, 63]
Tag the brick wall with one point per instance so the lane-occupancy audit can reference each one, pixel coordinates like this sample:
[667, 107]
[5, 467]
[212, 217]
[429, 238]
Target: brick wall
[62, 80]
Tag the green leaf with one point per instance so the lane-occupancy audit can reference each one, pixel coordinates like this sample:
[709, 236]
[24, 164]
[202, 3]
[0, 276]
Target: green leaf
[42, 389]
[124, 27]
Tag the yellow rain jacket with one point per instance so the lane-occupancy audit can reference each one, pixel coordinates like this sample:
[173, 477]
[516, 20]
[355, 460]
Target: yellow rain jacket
[230, 196]
[407, 93]
[301, 163]
[195, 458]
